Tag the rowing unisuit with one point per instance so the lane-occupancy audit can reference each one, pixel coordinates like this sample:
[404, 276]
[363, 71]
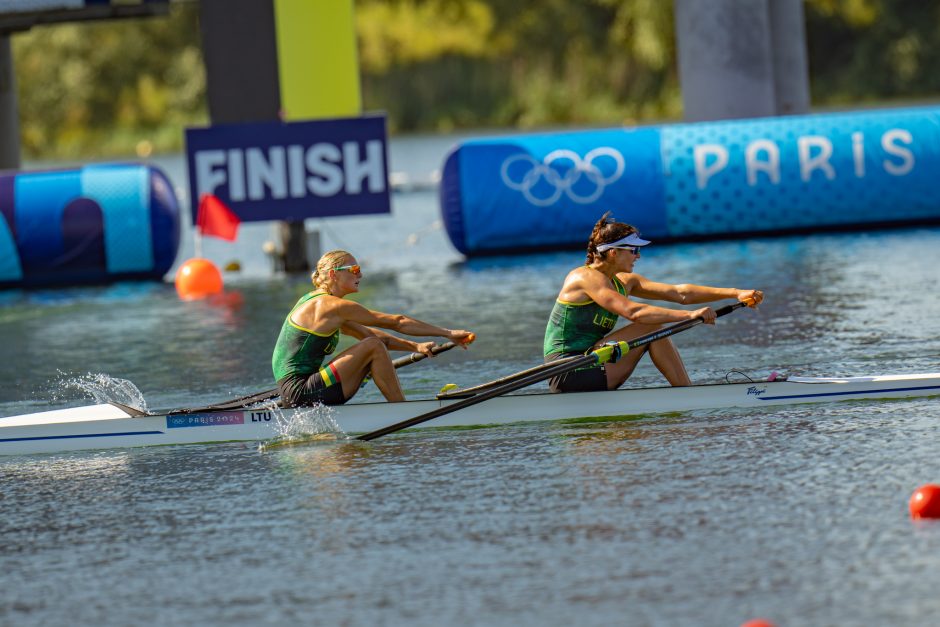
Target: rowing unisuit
[574, 328]
[300, 352]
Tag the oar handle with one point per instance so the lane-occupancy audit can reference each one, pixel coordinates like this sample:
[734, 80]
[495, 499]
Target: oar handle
[414, 357]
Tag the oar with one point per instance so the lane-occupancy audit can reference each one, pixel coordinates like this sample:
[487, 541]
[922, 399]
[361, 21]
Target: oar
[599, 356]
[260, 397]
[415, 357]
[452, 391]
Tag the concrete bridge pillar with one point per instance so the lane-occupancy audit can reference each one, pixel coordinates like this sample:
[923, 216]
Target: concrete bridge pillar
[741, 58]
[240, 52]
[791, 67]
[9, 113]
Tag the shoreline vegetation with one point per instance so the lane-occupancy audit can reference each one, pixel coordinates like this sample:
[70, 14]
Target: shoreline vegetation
[130, 87]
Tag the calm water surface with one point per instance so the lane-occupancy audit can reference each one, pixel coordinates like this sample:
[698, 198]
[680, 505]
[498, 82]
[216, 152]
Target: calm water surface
[703, 518]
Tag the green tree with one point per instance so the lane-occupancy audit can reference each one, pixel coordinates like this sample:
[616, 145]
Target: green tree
[94, 89]
[526, 63]
[873, 50]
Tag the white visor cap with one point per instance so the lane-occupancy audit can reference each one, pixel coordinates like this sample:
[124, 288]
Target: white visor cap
[629, 241]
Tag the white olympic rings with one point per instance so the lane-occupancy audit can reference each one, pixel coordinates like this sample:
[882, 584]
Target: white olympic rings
[563, 184]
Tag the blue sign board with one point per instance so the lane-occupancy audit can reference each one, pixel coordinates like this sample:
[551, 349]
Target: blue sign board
[292, 170]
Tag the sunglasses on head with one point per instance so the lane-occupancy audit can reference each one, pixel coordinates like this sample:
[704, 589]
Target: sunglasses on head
[355, 269]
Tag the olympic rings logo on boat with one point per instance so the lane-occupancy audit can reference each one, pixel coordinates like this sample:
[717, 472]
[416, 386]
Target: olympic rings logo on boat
[563, 179]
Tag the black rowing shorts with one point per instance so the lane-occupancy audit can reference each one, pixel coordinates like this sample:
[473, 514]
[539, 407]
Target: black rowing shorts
[306, 390]
[590, 379]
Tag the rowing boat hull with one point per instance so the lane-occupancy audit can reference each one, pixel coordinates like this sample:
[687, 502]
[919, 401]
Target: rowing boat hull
[109, 426]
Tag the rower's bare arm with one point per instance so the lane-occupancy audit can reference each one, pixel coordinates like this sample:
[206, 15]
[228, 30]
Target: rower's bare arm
[613, 301]
[690, 294]
[358, 331]
[392, 342]
[354, 312]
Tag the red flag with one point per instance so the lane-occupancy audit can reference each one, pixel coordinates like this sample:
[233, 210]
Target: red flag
[215, 219]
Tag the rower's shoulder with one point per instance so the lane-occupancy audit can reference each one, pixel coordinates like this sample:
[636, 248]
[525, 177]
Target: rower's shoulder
[584, 273]
[580, 283]
[316, 303]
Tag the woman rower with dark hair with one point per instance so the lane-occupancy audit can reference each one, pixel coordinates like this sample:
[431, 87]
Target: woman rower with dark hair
[311, 332]
[595, 294]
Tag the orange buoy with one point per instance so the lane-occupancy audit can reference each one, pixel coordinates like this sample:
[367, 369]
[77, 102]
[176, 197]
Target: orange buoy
[198, 278]
[758, 622]
[925, 502]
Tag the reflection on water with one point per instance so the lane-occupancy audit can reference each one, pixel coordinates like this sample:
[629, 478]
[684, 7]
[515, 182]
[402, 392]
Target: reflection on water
[320, 458]
[301, 425]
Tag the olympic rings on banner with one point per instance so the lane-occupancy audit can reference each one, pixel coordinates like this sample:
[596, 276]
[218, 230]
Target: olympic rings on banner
[563, 181]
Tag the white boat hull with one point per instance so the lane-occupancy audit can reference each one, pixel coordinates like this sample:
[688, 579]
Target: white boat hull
[109, 426]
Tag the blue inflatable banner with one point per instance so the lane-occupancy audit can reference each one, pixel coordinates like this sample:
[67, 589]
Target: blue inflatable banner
[292, 170]
[96, 224]
[691, 181]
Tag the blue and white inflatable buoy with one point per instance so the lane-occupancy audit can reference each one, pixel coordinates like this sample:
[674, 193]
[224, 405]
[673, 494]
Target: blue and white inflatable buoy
[95, 224]
[695, 181]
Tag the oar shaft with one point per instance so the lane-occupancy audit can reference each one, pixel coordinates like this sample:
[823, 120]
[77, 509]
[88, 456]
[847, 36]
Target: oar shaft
[507, 379]
[649, 338]
[583, 360]
[599, 356]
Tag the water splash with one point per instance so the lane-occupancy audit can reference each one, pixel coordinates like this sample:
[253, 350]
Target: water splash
[303, 424]
[102, 388]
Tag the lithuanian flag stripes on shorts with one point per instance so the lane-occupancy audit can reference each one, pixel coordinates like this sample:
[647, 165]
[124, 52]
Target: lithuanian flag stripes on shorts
[329, 374]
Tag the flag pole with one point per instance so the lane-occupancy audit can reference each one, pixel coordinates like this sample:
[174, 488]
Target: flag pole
[197, 235]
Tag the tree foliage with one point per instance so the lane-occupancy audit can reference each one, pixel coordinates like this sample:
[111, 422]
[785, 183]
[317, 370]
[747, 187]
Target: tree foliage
[102, 88]
[873, 50]
[525, 63]
[97, 89]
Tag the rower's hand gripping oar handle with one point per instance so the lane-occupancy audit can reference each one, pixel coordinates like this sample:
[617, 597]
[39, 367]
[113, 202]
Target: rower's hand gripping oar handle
[415, 357]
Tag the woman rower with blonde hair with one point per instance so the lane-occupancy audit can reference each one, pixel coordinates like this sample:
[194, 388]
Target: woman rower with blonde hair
[595, 294]
[311, 332]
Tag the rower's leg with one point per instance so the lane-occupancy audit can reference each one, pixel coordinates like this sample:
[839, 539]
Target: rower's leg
[362, 358]
[666, 358]
[663, 353]
[619, 372]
